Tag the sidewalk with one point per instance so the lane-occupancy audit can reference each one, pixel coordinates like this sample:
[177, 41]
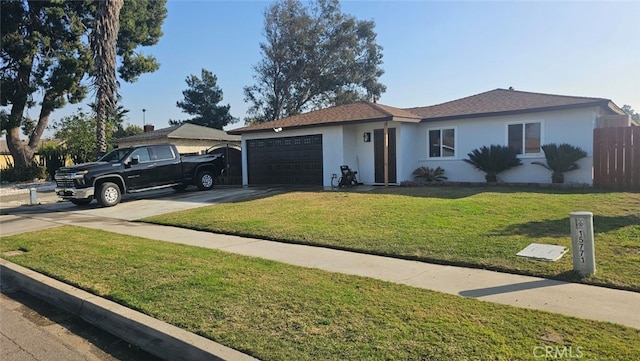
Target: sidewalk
[578, 300]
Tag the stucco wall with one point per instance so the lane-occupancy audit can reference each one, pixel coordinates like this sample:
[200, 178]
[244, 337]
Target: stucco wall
[569, 126]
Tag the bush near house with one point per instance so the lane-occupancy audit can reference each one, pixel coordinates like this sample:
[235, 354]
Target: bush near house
[560, 159]
[493, 160]
[430, 174]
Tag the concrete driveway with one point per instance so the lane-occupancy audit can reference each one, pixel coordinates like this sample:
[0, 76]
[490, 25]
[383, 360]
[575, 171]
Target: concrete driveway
[146, 204]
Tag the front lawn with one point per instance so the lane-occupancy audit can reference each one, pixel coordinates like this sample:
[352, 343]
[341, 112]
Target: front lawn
[275, 311]
[478, 227]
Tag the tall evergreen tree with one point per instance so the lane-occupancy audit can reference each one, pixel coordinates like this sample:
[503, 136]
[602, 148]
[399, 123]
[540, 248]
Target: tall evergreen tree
[46, 50]
[313, 57]
[201, 99]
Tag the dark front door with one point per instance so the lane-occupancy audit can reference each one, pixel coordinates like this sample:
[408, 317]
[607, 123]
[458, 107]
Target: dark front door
[378, 149]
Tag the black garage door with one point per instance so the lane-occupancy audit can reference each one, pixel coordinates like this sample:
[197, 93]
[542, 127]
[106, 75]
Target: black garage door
[288, 160]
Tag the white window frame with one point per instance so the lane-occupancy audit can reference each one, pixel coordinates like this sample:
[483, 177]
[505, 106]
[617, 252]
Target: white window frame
[523, 123]
[455, 143]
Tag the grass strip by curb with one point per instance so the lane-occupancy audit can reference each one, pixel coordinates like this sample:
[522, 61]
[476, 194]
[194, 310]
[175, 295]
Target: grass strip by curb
[275, 311]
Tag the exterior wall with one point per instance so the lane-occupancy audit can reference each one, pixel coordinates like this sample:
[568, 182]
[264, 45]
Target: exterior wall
[574, 127]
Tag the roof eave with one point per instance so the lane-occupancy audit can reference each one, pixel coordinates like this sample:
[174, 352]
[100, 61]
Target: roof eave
[603, 103]
[302, 126]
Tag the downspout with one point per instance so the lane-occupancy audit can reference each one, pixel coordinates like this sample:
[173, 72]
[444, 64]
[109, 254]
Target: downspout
[386, 154]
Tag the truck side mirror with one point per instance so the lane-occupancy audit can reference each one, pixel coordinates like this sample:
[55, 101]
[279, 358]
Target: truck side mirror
[135, 160]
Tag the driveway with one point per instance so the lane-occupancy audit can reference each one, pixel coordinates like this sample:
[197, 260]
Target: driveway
[141, 205]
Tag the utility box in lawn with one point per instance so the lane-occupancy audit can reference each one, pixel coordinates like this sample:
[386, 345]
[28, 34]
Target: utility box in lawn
[582, 243]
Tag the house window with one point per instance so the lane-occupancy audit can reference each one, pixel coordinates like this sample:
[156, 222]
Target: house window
[442, 143]
[525, 138]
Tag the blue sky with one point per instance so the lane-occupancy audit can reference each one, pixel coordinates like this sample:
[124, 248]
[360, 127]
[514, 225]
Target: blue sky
[433, 51]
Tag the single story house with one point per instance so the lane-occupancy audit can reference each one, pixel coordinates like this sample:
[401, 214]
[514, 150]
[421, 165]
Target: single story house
[188, 138]
[191, 139]
[310, 148]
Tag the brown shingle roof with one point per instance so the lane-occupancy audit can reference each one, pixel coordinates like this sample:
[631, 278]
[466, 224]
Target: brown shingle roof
[503, 102]
[491, 103]
[347, 113]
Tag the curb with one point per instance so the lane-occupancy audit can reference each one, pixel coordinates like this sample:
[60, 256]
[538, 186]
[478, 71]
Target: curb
[159, 338]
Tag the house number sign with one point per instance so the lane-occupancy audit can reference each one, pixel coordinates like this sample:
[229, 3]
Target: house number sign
[584, 261]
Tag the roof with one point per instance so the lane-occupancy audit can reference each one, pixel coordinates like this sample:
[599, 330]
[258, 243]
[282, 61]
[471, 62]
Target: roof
[508, 101]
[491, 103]
[182, 131]
[340, 114]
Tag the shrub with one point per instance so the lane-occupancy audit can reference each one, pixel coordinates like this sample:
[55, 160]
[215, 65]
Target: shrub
[430, 174]
[493, 160]
[560, 159]
[14, 174]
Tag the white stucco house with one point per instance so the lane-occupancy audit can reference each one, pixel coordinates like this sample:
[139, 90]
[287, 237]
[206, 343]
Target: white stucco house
[309, 148]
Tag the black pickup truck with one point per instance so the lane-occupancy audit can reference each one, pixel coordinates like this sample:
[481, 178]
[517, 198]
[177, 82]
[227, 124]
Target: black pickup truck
[136, 169]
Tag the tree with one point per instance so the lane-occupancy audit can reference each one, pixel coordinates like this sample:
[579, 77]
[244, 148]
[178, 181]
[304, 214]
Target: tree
[493, 160]
[127, 131]
[78, 133]
[104, 49]
[201, 99]
[627, 109]
[313, 58]
[46, 49]
[560, 159]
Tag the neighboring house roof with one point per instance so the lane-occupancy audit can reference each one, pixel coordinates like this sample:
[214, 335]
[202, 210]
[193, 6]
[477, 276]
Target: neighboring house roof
[348, 113]
[182, 131]
[491, 103]
[508, 101]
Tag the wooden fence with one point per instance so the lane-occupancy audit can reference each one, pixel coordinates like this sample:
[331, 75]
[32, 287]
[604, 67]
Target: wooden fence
[616, 158]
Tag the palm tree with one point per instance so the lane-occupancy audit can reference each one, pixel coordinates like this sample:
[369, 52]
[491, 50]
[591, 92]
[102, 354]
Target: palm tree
[560, 159]
[430, 174]
[493, 160]
[104, 48]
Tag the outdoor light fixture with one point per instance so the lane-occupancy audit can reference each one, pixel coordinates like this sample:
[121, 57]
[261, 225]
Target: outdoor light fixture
[366, 137]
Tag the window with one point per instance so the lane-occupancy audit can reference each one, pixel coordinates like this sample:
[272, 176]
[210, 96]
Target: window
[142, 154]
[162, 152]
[442, 143]
[524, 138]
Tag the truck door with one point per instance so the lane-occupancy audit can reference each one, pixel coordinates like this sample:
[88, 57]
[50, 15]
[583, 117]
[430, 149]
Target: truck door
[167, 164]
[142, 174]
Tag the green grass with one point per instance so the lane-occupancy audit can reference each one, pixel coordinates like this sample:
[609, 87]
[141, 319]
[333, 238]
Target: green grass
[478, 227]
[275, 311]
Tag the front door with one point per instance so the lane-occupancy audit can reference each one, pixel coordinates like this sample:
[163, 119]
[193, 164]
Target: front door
[378, 154]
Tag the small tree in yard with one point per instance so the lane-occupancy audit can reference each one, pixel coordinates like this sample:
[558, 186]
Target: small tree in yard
[493, 160]
[560, 159]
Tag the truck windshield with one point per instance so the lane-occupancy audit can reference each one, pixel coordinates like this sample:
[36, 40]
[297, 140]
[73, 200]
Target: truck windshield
[115, 156]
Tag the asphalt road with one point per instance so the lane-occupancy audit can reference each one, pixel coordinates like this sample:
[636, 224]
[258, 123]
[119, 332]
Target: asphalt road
[32, 330]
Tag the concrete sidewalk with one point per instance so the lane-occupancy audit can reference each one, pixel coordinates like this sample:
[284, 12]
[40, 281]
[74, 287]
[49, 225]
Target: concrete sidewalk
[578, 300]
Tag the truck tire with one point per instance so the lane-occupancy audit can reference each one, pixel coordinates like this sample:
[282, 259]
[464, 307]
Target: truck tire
[205, 180]
[81, 202]
[180, 188]
[109, 194]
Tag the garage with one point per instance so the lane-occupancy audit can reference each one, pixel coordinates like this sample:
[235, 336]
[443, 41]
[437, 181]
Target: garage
[286, 160]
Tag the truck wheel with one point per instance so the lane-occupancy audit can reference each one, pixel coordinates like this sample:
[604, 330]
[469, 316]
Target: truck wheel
[109, 194]
[205, 180]
[81, 202]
